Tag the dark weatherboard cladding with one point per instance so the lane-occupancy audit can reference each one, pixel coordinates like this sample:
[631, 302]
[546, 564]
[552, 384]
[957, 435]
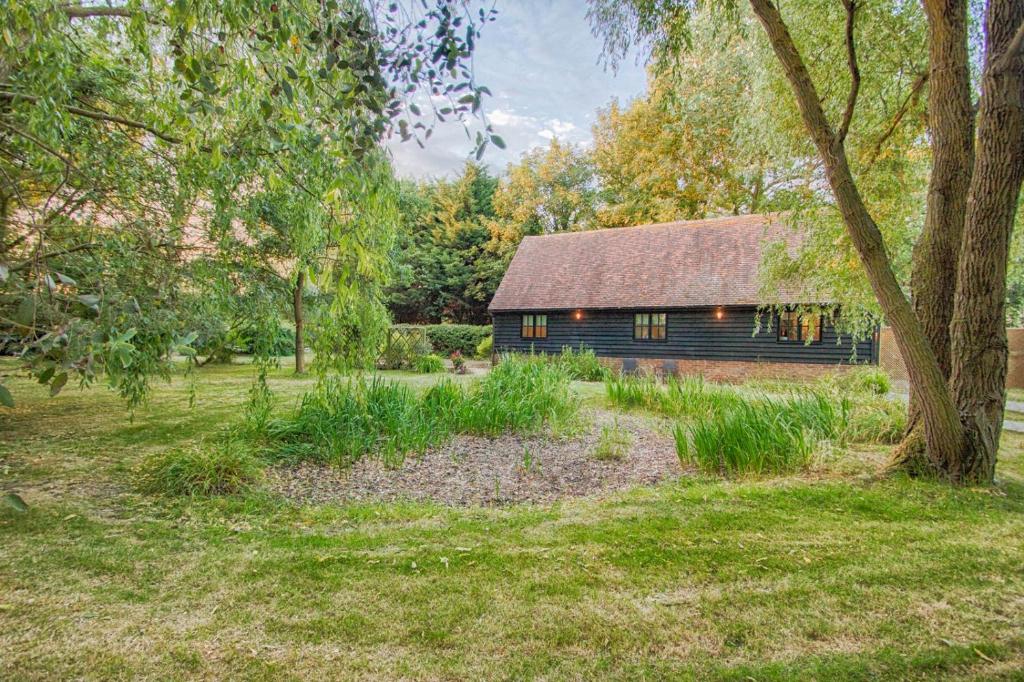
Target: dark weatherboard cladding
[692, 333]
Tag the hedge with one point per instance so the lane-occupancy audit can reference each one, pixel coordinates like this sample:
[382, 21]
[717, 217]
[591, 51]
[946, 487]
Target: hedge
[448, 338]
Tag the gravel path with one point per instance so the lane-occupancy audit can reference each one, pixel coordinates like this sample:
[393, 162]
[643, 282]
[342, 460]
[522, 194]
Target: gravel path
[472, 470]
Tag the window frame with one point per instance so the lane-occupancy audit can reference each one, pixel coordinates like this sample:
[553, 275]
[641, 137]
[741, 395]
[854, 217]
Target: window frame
[795, 322]
[537, 322]
[649, 327]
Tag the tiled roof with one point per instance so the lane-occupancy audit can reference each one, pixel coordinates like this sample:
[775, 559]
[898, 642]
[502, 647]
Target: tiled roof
[683, 264]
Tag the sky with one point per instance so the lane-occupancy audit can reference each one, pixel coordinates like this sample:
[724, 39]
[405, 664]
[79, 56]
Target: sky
[540, 62]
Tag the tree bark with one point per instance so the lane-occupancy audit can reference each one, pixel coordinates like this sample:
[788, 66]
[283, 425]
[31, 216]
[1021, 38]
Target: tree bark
[978, 329]
[936, 253]
[944, 434]
[300, 344]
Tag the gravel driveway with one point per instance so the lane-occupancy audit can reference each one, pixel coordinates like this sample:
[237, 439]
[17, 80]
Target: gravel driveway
[472, 470]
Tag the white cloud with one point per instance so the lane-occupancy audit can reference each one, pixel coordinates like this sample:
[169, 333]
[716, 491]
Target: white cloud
[540, 60]
[500, 117]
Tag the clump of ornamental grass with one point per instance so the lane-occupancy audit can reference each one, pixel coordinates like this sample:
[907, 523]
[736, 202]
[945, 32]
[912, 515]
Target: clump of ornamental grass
[876, 420]
[857, 381]
[761, 436]
[613, 443]
[582, 364]
[521, 394]
[343, 420]
[675, 397]
[218, 466]
[429, 364]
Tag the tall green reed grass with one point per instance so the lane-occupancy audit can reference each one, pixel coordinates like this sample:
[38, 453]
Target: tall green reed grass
[343, 420]
[689, 396]
[762, 435]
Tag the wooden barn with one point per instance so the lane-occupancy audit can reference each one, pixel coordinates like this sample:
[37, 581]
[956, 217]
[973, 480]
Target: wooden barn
[676, 297]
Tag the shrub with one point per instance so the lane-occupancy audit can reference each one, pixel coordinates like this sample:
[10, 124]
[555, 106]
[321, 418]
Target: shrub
[582, 364]
[448, 338]
[761, 436]
[429, 364]
[485, 348]
[458, 363]
[613, 443]
[216, 467]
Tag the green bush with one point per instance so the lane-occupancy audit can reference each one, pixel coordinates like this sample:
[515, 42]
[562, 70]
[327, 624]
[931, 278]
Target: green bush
[448, 338]
[761, 436]
[429, 364]
[485, 348]
[582, 364]
[216, 467]
[343, 420]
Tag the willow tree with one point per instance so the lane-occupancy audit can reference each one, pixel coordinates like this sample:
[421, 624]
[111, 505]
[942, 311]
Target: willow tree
[953, 337]
[130, 132]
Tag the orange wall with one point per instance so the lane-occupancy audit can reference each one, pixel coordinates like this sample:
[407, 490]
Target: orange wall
[890, 360]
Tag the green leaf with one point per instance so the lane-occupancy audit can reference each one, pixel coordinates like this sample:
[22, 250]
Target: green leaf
[498, 142]
[14, 501]
[58, 383]
[90, 300]
[6, 399]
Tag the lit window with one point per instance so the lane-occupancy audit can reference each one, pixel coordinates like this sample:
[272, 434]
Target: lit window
[650, 326]
[795, 327]
[534, 327]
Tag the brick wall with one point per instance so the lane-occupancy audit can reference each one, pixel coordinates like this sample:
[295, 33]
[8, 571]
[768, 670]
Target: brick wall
[890, 360]
[725, 370]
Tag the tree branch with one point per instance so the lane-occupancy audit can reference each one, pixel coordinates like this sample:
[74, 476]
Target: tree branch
[39, 143]
[52, 254]
[1013, 50]
[851, 60]
[98, 116]
[915, 90]
[87, 12]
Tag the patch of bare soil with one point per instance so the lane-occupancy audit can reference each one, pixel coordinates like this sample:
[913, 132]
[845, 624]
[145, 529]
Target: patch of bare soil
[472, 470]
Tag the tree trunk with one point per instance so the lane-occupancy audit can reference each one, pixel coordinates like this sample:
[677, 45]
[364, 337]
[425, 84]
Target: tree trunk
[944, 435]
[936, 253]
[978, 327]
[300, 344]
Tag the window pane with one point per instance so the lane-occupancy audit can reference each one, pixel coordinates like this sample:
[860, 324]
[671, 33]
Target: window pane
[810, 328]
[541, 328]
[792, 326]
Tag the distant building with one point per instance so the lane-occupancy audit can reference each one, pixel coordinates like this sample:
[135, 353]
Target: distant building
[673, 297]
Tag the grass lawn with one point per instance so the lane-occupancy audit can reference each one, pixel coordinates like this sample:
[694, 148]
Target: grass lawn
[836, 574]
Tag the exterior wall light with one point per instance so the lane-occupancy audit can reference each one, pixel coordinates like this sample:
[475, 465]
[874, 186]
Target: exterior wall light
[578, 315]
[719, 313]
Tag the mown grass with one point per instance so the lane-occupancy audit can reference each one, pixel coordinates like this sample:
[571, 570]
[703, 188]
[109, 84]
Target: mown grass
[841, 576]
